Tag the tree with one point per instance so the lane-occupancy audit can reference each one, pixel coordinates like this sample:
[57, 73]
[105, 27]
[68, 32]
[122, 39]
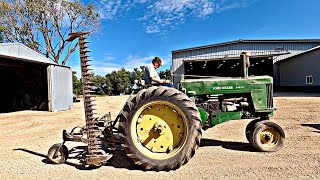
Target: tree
[118, 82]
[77, 85]
[1, 34]
[137, 74]
[44, 25]
[100, 83]
[166, 74]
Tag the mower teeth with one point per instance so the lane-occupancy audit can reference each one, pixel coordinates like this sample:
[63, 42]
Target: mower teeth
[88, 82]
[96, 155]
[88, 87]
[83, 38]
[90, 101]
[87, 73]
[84, 47]
[87, 69]
[84, 56]
[93, 126]
[89, 105]
[89, 114]
[85, 65]
[88, 91]
[84, 42]
[90, 108]
[86, 51]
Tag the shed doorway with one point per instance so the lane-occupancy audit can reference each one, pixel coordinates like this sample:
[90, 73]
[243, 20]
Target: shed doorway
[23, 86]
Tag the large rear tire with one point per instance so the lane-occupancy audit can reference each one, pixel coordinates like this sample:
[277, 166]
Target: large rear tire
[161, 128]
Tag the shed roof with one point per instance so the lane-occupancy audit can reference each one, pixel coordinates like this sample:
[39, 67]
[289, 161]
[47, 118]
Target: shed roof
[304, 52]
[22, 52]
[251, 41]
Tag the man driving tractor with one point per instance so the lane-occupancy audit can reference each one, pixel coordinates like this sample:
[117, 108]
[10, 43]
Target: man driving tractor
[151, 75]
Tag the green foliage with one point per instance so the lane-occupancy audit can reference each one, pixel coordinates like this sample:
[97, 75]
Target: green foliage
[137, 74]
[1, 34]
[44, 25]
[99, 82]
[166, 74]
[77, 85]
[116, 82]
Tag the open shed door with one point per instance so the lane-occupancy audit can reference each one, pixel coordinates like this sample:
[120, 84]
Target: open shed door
[59, 88]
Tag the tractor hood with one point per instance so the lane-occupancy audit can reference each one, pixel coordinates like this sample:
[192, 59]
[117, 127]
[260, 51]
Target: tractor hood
[216, 85]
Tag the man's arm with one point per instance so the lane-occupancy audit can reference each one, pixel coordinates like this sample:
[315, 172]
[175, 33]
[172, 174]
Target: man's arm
[154, 79]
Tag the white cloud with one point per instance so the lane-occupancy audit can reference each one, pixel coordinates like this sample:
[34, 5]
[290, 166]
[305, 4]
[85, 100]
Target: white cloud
[108, 9]
[161, 16]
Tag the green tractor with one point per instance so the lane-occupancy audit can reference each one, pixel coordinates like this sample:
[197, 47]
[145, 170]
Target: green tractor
[160, 128]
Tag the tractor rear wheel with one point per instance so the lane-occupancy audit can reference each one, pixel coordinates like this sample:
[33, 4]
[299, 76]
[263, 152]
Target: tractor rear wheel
[267, 136]
[161, 128]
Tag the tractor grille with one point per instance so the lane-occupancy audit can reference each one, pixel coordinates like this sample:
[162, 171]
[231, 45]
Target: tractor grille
[269, 95]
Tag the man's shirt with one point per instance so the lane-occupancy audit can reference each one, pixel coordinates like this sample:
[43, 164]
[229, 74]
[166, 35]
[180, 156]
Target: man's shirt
[150, 71]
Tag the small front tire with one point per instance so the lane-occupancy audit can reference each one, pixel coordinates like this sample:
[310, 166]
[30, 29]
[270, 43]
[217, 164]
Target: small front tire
[267, 136]
[250, 128]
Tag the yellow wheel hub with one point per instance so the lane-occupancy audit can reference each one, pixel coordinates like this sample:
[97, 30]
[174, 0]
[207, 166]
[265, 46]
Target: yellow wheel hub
[159, 129]
[269, 137]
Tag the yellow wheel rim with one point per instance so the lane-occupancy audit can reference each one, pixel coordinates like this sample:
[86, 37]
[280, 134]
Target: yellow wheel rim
[159, 129]
[269, 137]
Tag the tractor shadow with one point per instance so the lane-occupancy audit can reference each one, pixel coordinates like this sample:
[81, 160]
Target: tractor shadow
[237, 146]
[119, 158]
[315, 126]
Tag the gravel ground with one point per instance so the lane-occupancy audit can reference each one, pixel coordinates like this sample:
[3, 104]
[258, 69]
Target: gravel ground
[224, 153]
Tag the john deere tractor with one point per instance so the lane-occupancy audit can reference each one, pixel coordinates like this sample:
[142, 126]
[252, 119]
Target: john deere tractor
[160, 128]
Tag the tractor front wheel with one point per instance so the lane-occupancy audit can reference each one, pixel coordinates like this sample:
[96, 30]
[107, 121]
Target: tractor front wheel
[161, 128]
[267, 136]
[250, 127]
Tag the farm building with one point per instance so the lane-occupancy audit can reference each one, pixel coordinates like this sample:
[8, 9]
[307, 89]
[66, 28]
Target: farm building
[31, 81]
[294, 64]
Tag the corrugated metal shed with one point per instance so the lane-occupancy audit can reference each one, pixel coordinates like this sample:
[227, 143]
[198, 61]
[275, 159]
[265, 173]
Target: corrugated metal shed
[301, 72]
[40, 82]
[22, 52]
[60, 88]
[278, 49]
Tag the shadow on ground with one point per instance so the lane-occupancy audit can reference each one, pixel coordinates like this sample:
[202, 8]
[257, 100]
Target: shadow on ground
[118, 160]
[316, 126]
[237, 146]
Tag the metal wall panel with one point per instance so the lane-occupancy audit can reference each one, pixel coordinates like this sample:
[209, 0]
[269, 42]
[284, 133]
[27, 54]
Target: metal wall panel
[59, 88]
[293, 72]
[233, 50]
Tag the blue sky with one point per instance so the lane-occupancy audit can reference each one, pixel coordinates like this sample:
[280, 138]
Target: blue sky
[132, 32]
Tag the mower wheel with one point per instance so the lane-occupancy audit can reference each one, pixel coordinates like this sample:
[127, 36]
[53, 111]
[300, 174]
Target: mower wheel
[161, 128]
[58, 153]
[267, 136]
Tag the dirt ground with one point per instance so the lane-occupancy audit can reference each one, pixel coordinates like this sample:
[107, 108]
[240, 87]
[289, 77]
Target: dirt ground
[224, 153]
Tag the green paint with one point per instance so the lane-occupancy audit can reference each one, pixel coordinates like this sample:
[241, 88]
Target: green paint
[221, 117]
[203, 115]
[253, 86]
